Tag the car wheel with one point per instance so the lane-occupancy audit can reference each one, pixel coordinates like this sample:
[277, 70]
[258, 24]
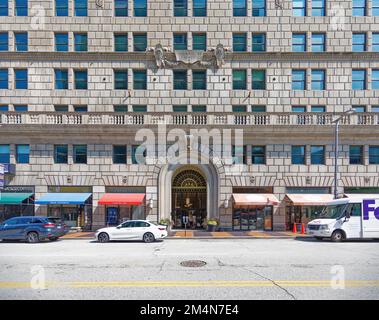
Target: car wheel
[103, 237]
[32, 237]
[148, 237]
[53, 239]
[337, 236]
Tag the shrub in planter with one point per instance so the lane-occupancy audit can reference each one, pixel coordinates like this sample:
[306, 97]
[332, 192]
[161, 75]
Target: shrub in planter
[212, 225]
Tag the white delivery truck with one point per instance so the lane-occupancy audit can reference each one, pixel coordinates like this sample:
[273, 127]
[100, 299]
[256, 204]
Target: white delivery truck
[355, 217]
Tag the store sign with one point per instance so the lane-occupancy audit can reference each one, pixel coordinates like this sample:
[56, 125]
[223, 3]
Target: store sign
[14, 189]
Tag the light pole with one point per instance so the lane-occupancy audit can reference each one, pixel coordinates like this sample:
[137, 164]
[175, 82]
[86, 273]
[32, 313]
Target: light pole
[336, 148]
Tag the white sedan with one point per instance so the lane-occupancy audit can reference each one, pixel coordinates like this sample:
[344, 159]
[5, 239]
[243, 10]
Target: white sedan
[132, 230]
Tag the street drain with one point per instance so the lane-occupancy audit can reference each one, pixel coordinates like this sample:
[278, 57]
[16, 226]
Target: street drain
[193, 263]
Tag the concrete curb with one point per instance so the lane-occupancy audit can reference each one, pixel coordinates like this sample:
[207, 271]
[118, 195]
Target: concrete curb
[208, 238]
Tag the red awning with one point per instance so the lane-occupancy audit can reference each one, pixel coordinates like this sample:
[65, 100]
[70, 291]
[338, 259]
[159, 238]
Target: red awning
[122, 199]
[255, 199]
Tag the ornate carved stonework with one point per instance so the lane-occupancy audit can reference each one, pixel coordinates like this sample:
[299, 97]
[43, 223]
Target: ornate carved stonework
[210, 59]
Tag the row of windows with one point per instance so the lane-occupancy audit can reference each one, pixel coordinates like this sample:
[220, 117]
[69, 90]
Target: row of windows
[239, 154]
[199, 79]
[199, 9]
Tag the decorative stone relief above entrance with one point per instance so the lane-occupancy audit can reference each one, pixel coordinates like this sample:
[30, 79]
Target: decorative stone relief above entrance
[213, 58]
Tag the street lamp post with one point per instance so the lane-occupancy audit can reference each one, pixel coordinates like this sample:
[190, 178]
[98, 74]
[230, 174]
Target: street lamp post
[336, 148]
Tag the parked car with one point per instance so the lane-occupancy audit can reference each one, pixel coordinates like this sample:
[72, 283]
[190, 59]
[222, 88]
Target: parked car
[29, 228]
[132, 230]
[62, 228]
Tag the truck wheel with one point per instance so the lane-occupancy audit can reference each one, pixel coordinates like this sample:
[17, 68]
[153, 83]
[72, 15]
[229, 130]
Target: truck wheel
[337, 236]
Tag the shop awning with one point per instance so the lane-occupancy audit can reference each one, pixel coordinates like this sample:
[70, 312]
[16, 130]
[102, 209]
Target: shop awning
[255, 199]
[13, 197]
[309, 199]
[122, 199]
[63, 198]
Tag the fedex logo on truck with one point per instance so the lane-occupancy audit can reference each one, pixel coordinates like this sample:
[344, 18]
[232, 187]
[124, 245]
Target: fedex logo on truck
[369, 206]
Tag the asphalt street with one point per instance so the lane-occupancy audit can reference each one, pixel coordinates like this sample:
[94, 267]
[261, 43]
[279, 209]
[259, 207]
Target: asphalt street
[234, 269]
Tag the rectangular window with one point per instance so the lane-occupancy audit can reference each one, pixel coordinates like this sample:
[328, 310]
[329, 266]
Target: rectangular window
[21, 41]
[4, 8]
[180, 41]
[318, 80]
[202, 109]
[318, 42]
[80, 77]
[138, 154]
[179, 108]
[258, 155]
[239, 108]
[61, 42]
[318, 109]
[22, 153]
[258, 108]
[239, 154]
[21, 108]
[299, 42]
[121, 79]
[359, 8]
[318, 8]
[375, 79]
[119, 154]
[258, 42]
[356, 154]
[121, 42]
[299, 109]
[299, 8]
[60, 153]
[375, 8]
[180, 8]
[80, 8]
[239, 42]
[80, 153]
[373, 154]
[120, 108]
[140, 8]
[299, 79]
[259, 8]
[80, 109]
[199, 80]
[80, 42]
[61, 8]
[4, 108]
[359, 109]
[239, 8]
[358, 79]
[317, 154]
[4, 42]
[199, 41]
[139, 108]
[359, 42]
[258, 79]
[139, 42]
[180, 79]
[21, 8]
[298, 154]
[375, 42]
[121, 8]
[139, 79]
[61, 108]
[5, 154]
[61, 79]
[375, 109]
[21, 78]
[199, 8]
[239, 80]
[3, 78]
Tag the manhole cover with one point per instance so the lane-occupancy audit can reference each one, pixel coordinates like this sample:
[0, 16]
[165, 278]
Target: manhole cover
[193, 263]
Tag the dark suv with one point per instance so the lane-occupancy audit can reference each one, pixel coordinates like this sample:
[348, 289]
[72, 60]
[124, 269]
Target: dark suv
[31, 229]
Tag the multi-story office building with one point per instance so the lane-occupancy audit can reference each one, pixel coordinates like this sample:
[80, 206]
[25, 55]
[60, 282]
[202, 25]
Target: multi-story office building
[79, 79]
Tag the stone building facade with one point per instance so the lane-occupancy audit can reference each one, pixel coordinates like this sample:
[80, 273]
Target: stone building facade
[275, 126]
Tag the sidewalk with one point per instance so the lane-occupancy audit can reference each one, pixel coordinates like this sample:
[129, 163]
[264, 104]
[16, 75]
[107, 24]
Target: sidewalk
[191, 234]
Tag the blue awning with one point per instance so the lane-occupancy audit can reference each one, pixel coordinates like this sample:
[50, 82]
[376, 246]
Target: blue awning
[63, 198]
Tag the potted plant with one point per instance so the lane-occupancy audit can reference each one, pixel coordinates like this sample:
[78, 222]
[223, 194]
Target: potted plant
[212, 225]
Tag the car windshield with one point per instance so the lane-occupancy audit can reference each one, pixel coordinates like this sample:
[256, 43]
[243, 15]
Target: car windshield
[333, 211]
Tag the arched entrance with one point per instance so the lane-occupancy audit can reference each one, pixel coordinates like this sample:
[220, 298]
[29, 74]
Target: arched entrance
[189, 198]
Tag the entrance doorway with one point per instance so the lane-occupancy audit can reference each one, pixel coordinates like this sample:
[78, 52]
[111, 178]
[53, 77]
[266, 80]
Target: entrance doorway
[189, 199]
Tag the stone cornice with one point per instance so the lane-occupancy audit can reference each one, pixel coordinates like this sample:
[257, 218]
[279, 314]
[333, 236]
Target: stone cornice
[229, 56]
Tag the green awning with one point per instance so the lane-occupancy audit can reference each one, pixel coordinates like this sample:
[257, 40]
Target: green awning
[13, 197]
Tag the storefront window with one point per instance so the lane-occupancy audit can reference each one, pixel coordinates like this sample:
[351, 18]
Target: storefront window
[257, 218]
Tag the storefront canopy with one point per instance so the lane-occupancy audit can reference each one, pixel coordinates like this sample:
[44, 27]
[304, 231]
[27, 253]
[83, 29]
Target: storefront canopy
[63, 198]
[122, 199]
[304, 199]
[14, 197]
[255, 199]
